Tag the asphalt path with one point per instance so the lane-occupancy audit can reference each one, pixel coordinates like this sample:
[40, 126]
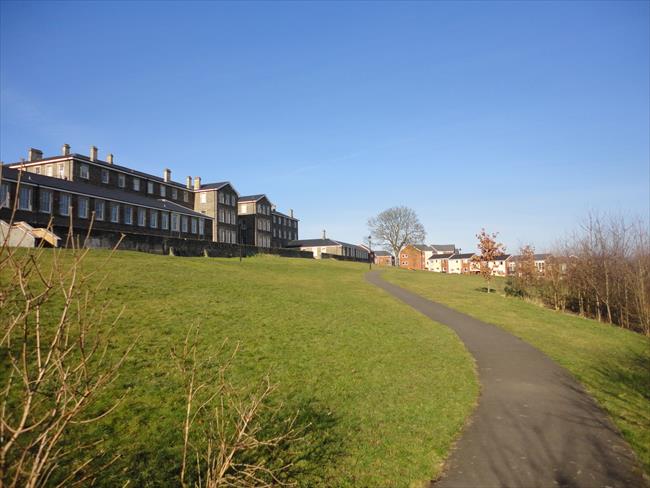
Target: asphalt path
[534, 426]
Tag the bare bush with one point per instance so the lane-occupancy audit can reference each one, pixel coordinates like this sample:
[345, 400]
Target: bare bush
[55, 337]
[230, 434]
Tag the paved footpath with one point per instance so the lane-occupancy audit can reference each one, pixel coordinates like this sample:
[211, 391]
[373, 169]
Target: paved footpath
[534, 425]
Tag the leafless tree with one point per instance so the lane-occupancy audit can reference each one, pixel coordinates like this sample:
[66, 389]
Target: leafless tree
[395, 228]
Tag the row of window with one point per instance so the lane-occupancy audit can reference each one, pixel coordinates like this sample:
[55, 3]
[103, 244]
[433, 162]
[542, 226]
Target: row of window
[264, 224]
[227, 236]
[49, 170]
[263, 240]
[264, 209]
[278, 219]
[227, 198]
[227, 216]
[285, 234]
[84, 172]
[155, 218]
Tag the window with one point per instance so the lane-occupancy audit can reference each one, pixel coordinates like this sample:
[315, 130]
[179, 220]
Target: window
[163, 191]
[136, 184]
[46, 201]
[99, 209]
[221, 199]
[128, 215]
[153, 219]
[227, 212]
[164, 220]
[149, 186]
[115, 212]
[233, 236]
[183, 223]
[204, 197]
[105, 176]
[201, 227]
[141, 217]
[186, 196]
[221, 215]
[83, 171]
[174, 194]
[194, 225]
[25, 198]
[82, 208]
[174, 222]
[37, 170]
[61, 170]
[4, 195]
[64, 204]
[121, 180]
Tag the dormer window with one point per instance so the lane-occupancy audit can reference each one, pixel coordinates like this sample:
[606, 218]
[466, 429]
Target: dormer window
[121, 180]
[174, 194]
[136, 184]
[149, 186]
[83, 171]
[105, 176]
[163, 191]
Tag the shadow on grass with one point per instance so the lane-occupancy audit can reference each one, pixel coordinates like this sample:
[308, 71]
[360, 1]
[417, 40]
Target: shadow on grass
[484, 289]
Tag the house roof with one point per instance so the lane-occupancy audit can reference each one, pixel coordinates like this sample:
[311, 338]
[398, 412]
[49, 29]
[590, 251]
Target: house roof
[382, 253]
[276, 212]
[444, 247]
[503, 257]
[462, 256]
[313, 243]
[441, 256]
[87, 189]
[421, 247]
[217, 186]
[536, 257]
[252, 198]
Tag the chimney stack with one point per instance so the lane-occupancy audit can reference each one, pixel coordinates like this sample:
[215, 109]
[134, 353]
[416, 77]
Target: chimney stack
[167, 175]
[65, 150]
[34, 154]
[324, 234]
[93, 153]
[291, 212]
[197, 182]
[188, 182]
[109, 159]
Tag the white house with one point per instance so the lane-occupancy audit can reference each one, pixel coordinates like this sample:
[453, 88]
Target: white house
[439, 263]
[460, 263]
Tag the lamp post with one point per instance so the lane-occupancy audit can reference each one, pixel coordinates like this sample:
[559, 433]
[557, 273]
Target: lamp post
[370, 252]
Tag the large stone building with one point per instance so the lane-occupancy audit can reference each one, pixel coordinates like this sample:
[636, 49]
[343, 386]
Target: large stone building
[284, 228]
[254, 214]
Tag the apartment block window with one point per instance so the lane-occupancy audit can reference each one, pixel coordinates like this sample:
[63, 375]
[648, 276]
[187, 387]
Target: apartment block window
[153, 219]
[25, 198]
[163, 191]
[183, 223]
[201, 227]
[275, 233]
[64, 204]
[37, 170]
[149, 186]
[115, 212]
[221, 215]
[204, 197]
[194, 225]
[121, 180]
[84, 171]
[105, 176]
[82, 208]
[221, 198]
[233, 236]
[222, 235]
[45, 201]
[142, 218]
[128, 215]
[5, 197]
[136, 184]
[61, 170]
[186, 196]
[99, 209]
[174, 222]
[174, 194]
[275, 219]
[164, 220]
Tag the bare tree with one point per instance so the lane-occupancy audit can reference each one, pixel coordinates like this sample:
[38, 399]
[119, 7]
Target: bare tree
[395, 228]
[490, 250]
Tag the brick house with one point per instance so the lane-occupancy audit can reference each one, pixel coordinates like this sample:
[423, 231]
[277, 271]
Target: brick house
[383, 258]
[414, 256]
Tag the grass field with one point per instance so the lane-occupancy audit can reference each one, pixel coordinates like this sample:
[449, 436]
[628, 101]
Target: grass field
[383, 390]
[613, 364]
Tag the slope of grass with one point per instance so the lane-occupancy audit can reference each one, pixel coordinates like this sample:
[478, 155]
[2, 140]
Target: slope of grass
[613, 364]
[382, 391]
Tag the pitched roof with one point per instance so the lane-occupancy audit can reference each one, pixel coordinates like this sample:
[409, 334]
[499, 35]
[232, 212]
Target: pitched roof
[313, 243]
[503, 257]
[536, 257]
[463, 256]
[252, 198]
[215, 186]
[444, 247]
[382, 253]
[276, 212]
[441, 256]
[420, 247]
[97, 191]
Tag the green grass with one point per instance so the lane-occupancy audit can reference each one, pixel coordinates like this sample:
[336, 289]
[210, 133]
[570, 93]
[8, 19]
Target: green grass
[613, 364]
[382, 390]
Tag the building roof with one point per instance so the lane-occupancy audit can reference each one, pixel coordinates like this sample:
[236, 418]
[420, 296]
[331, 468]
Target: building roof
[466, 255]
[447, 248]
[381, 253]
[313, 243]
[503, 257]
[276, 212]
[441, 256]
[216, 186]
[252, 198]
[421, 247]
[98, 162]
[87, 189]
[536, 257]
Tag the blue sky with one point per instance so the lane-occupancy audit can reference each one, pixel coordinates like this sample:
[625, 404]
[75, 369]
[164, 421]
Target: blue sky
[520, 117]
